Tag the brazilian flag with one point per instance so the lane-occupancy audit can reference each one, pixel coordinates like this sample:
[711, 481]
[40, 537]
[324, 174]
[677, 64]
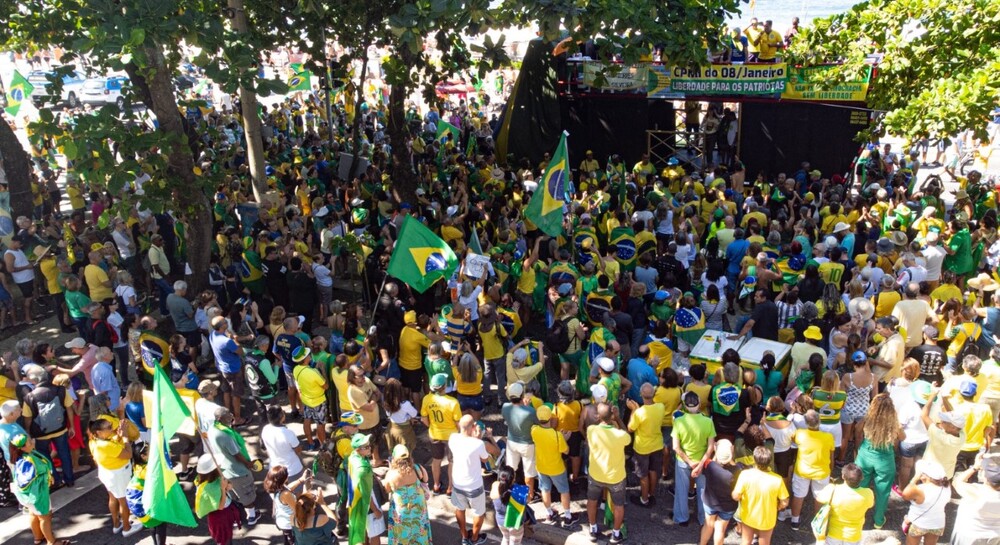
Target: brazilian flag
[252, 272]
[162, 496]
[444, 128]
[17, 92]
[545, 209]
[420, 258]
[301, 80]
[623, 239]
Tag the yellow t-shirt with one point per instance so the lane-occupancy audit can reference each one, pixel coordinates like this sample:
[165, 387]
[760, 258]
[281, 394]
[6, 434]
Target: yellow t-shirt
[493, 346]
[75, 195]
[51, 273]
[978, 418]
[702, 390]
[568, 416]
[360, 396]
[815, 450]
[884, 302]
[607, 453]
[106, 453]
[831, 221]
[7, 391]
[96, 277]
[311, 385]
[550, 445]
[612, 269]
[670, 398]
[412, 341]
[759, 216]
[339, 378]
[847, 510]
[645, 423]
[759, 492]
[831, 272]
[473, 388]
[945, 293]
[443, 413]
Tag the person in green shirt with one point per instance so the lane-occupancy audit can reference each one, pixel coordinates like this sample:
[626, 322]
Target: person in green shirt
[436, 362]
[76, 302]
[959, 248]
[261, 373]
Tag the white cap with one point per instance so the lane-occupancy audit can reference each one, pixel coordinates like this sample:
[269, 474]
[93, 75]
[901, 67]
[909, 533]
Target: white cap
[516, 389]
[930, 468]
[206, 464]
[452, 210]
[77, 342]
[599, 392]
[606, 364]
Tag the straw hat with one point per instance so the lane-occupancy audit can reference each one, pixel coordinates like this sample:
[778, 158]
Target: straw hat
[983, 282]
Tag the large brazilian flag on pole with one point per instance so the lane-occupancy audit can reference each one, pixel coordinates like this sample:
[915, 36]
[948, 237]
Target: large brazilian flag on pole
[162, 496]
[545, 209]
[420, 258]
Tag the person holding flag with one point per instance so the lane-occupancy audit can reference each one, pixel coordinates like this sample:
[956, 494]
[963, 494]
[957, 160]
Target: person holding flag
[359, 490]
[545, 209]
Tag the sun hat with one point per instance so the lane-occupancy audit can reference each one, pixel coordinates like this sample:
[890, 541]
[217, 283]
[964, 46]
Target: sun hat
[360, 440]
[349, 418]
[861, 306]
[931, 468]
[921, 391]
[813, 332]
[983, 282]
[898, 238]
[841, 227]
[206, 464]
[301, 354]
[543, 413]
[207, 386]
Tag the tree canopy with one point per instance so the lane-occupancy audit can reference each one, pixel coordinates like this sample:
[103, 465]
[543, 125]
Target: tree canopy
[938, 61]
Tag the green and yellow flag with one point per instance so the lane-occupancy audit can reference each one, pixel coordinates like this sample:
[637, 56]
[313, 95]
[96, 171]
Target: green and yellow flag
[301, 79]
[17, 92]
[546, 206]
[162, 496]
[445, 128]
[420, 257]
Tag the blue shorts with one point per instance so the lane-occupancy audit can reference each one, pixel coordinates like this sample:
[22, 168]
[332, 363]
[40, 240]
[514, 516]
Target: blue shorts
[724, 515]
[912, 450]
[561, 481]
[471, 403]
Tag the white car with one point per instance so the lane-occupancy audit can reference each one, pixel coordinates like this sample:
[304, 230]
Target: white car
[72, 86]
[101, 91]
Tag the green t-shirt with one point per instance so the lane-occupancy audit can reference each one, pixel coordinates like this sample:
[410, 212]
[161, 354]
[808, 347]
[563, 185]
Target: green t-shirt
[693, 430]
[76, 301]
[439, 365]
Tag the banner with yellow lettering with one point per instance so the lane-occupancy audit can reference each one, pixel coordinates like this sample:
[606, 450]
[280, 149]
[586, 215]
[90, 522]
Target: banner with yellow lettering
[801, 88]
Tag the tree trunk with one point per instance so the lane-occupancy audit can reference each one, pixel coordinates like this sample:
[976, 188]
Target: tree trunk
[356, 122]
[15, 171]
[404, 179]
[251, 119]
[190, 196]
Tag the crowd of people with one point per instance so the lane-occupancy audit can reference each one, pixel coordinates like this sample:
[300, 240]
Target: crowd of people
[562, 364]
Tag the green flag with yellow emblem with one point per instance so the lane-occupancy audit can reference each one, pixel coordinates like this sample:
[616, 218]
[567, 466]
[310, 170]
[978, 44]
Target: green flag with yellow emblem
[545, 209]
[420, 258]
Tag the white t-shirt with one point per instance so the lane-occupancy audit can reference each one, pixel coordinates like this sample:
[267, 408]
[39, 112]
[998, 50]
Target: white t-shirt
[322, 274]
[935, 258]
[404, 414]
[127, 293]
[280, 443]
[645, 216]
[205, 411]
[467, 454]
[472, 302]
[115, 320]
[122, 240]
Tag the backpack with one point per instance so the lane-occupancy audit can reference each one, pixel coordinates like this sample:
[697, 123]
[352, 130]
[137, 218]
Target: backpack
[557, 338]
[260, 388]
[111, 331]
[49, 415]
[971, 345]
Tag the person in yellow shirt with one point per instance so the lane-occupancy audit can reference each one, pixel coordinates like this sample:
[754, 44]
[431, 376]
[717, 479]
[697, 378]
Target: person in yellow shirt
[567, 412]
[979, 425]
[112, 453]
[761, 494]
[440, 413]
[98, 280]
[813, 464]
[768, 42]
[848, 504]
[413, 341]
[550, 445]
[607, 468]
[312, 391]
[887, 297]
[753, 33]
[645, 423]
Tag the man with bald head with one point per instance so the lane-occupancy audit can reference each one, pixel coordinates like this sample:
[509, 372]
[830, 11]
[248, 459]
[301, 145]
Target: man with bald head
[645, 423]
[469, 451]
[607, 470]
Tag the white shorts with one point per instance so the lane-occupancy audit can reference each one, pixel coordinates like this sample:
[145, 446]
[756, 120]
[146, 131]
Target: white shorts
[115, 480]
[518, 452]
[469, 502]
[836, 430]
[801, 486]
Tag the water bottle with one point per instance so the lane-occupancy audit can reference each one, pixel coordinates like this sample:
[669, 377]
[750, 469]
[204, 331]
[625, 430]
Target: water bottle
[718, 343]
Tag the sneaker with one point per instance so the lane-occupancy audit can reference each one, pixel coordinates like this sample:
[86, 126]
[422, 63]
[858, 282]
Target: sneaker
[254, 520]
[135, 529]
[481, 540]
[571, 521]
[617, 538]
[637, 500]
[466, 541]
[796, 524]
[594, 534]
[118, 529]
[879, 526]
[784, 515]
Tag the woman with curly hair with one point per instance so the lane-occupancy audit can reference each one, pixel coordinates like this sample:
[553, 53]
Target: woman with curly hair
[877, 454]
[406, 484]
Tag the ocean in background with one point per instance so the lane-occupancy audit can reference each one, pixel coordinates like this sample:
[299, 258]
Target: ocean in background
[782, 11]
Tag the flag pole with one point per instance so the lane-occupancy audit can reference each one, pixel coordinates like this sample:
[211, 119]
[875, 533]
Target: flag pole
[377, 298]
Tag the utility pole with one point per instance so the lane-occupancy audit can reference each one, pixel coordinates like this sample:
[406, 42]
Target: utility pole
[251, 119]
[328, 89]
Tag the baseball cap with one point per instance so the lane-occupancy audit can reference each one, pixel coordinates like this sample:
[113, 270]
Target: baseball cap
[724, 451]
[952, 417]
[207, 386]
[930, 468]
[360, 440]
[300, 354]
[813, 332]
[439, 380]
[967, 388]
[991, 470]
[859, 356]
[691, 399]
[544, 413]
[599, 392]
[302, 319]
[931, 332]
[349, 418]
[515, 390]
[565, 288]
[400, 452]
[77, 342]
[410, 317]
[661, 295]
[606, 364]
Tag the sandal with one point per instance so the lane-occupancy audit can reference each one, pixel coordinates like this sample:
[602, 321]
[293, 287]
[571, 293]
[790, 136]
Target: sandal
[241, 423]
[437, 489]
[60, 542]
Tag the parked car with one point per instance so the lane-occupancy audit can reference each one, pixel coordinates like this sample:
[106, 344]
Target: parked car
[101, 91]
[72, 86]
